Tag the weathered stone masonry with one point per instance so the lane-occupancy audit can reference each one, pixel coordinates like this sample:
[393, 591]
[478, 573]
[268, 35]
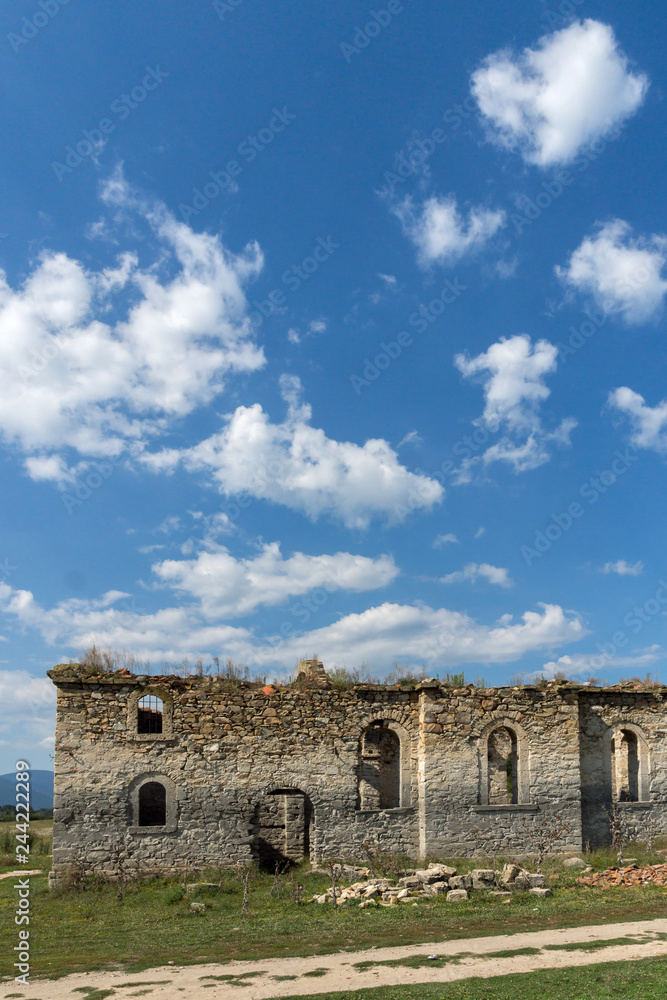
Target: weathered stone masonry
[240, 772]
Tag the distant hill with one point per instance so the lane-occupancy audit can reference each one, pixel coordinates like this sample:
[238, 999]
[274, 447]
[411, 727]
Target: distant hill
[41, 789]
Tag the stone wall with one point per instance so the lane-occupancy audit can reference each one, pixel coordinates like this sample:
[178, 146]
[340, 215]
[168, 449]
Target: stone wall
[263, 773]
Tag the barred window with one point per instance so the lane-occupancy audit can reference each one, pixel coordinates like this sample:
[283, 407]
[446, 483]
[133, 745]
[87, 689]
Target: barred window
[149, 714]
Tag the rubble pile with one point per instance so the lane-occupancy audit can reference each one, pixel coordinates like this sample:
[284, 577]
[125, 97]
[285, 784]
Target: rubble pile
[435, 880]
[629, 875]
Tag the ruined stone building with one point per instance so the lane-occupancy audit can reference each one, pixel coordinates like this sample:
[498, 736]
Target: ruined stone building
[171, 770]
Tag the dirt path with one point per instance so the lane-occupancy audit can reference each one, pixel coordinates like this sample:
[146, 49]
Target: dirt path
[279, 977]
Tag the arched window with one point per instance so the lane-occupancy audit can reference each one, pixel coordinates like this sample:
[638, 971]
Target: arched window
[380, 768]
[149, 714]
[503, 767]
[152, 804]
[625, 766]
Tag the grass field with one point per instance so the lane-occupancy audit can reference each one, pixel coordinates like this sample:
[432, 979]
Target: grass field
[644, 980]
[153, 924]
[41, 839]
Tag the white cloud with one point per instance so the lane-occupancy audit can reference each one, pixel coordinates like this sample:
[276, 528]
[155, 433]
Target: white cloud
[297, 465]
[649, 423]
[389, 279]
[480, 531]
[316, 326]
[412, 437]
[170, 524]
[441, 233]
[582, 665]
[439, 637]
[549, 102]
[623, 275]
[20, 692]
[623, 568]
[72, 377]
[473, 571]
[436, 636]
[444, 540]
[512, 372]
[227, 587]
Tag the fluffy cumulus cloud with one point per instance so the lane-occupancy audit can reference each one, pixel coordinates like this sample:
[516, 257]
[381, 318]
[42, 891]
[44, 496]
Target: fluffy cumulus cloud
[512, 372]
[447, 539]
[436, 636]
[623, 568]
[550, 101]
[583, 665]
[649, 423]
[296, 464]
[28, 712]
[624, 276]
[476, 571]
[101, 360]
[228, 587]
[442, 233]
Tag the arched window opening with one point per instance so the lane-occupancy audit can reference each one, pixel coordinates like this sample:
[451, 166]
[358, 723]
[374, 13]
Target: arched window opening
[503, 767]
[625, 766]
[149, 714]
[380, 770]
[152, 804]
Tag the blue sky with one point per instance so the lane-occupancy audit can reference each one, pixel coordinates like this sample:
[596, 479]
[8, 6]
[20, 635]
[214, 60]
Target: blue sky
[331, 329]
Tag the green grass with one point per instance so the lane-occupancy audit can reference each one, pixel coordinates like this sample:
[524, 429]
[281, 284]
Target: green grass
[147, 929]
[415, 962]
[608, 943]
[40, 842]
[315, 973]
[642, 980]
[235, 976]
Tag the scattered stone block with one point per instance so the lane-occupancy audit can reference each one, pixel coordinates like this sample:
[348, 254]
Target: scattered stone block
[460, 882]
[457, 896]
[483, 878]
[509, 873]
[574, 863]
[542, 893]
[436, 888]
